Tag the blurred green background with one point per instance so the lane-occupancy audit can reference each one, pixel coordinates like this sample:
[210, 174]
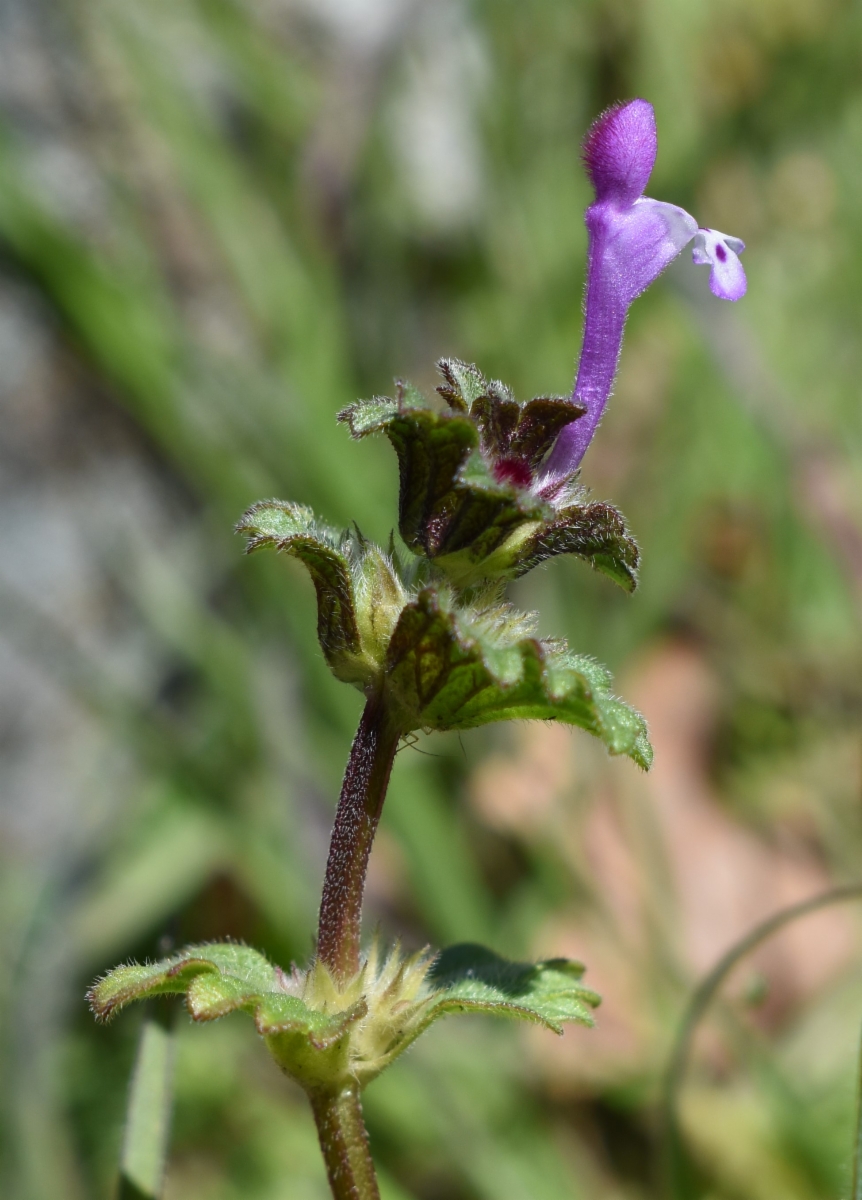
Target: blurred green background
[220, 221]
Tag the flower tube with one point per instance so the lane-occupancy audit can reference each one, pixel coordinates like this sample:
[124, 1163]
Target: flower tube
[632, 238]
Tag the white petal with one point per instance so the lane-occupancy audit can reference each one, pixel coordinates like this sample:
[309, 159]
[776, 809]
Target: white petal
[681, 226]
[727, 276]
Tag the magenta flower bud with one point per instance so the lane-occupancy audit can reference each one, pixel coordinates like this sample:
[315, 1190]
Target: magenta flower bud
[631, 240]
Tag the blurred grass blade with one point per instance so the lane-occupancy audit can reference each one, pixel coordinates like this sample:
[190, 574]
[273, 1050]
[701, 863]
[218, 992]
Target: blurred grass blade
[148, 1119]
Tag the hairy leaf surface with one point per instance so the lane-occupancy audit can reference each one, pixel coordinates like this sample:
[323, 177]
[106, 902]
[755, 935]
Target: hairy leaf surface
[470, 978]
[453, 669]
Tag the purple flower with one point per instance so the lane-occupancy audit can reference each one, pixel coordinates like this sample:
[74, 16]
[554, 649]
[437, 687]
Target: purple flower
[631, 241]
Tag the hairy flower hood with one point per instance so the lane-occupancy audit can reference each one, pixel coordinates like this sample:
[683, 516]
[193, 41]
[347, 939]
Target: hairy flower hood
[632, 238]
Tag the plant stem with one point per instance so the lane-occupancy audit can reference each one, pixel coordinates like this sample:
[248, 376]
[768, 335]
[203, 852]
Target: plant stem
[856, 1193]
[362, 795]
[344, 1143]
[677, 1167]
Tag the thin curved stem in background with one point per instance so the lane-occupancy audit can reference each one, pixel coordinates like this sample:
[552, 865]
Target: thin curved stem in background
[700, 1002]
[856, 1193]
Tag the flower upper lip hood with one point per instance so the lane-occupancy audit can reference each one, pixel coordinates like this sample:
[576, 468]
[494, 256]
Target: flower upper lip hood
[620, 151]
[632, 238]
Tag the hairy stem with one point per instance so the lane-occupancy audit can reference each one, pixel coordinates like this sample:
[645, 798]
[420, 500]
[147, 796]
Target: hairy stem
[344, 1143]
[362, 795]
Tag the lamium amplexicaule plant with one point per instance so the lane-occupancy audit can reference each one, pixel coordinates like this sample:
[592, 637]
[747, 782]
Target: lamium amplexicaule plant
[489, 488]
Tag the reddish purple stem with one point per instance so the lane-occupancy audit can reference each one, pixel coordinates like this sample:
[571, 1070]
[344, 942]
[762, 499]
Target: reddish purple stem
[362, 795]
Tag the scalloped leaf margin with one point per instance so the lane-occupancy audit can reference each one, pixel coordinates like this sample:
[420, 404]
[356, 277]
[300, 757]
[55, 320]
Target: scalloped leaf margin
[447, 669]
[470, 978]
[358, 1033]
[220, 979]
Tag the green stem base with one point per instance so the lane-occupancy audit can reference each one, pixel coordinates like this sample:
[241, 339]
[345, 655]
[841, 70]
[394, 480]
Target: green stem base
[344, 1143]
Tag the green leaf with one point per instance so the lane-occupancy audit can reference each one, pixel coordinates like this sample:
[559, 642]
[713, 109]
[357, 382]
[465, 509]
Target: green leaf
[468, 492]
[431, 448]
[369, 416]
[269, 522]
[327, 1034]
[309, 1043]
[470, 978]
[174, 975]
[484, 516]
[406, 996]
[540, 422]
[217, 980]
[497, 415]
[294, 530]
[464, 385]
[596, 532]
[449, 500]
[445, 667]
[453, 668]
[508, 428]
